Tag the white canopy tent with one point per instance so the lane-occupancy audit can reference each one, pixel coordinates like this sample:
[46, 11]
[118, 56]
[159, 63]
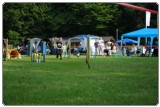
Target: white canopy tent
[83, 41]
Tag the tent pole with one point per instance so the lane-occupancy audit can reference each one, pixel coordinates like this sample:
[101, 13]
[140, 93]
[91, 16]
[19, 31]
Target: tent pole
[151, 46]
[139, 41]
[146, 40]
[121, 41]
[117, 34]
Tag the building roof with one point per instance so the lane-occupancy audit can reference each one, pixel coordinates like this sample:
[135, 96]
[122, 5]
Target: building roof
[108, 38]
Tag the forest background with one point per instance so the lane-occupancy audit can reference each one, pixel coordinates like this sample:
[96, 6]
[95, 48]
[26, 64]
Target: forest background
[47, 20]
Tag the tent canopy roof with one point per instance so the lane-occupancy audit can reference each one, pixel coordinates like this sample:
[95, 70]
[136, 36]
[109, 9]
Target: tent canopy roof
[127, 40]
[145, 32]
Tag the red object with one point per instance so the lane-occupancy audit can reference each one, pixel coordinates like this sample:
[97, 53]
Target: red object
[14, 53]
[138, 8]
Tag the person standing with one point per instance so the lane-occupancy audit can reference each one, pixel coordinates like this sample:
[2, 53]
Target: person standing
[107, 49]
[123, 48]
[101, 46]
[65, 50]
[59, 46]
[113, 49]
[96, 47]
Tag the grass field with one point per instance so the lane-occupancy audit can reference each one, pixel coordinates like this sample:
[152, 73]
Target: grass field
[109, 81]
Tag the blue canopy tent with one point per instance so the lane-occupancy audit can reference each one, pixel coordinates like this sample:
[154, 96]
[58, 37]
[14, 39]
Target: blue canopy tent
[143, 33]
[127, 40]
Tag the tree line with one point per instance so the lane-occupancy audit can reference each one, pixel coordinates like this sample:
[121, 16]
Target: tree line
[46, 20]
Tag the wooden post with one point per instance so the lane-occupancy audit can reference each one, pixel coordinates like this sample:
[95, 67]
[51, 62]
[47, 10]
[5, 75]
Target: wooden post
[69, 55]
[31, 45]
[6, 49]
[88, 51]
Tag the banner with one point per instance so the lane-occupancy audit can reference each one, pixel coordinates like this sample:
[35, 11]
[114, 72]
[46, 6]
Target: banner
[148, 16]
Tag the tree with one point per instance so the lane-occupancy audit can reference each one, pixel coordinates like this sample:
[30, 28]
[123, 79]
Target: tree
[13, 37]
[131, 19]
[46, 20]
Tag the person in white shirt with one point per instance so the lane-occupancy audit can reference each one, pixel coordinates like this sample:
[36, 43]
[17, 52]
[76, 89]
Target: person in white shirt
[101, 45]
[133, 50]
[113, 49]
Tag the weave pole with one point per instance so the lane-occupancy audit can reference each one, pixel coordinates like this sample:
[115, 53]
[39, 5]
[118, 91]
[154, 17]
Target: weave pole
[88, 52]
[6, 49]
[69, 53]
[43, 50]
[30, 47]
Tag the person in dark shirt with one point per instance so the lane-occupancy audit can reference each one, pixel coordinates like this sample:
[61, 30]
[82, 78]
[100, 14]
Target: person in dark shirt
[59, 46]
[96, 47]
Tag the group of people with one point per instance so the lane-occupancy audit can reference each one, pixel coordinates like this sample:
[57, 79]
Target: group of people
[110, 49]
[142, 50]
[101, 48]
[104, 49]
[126, 51]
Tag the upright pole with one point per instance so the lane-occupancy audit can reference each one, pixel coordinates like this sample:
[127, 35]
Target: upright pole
[69, 55]
[6, 49]
[151, 41]
[31, 44]
[43, 58]
[139, 41]
[116, 34]
[43, 50]
[33, 55]
[121, 41]
[146, 40]
[88, 51]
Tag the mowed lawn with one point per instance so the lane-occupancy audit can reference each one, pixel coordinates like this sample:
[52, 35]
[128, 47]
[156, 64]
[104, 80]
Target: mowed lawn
[109, 81]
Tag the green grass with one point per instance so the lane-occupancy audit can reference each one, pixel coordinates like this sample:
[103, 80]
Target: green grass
[109, 81]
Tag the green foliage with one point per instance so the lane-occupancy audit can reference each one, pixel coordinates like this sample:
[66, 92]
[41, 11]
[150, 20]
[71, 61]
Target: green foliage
[130, 19]
[13, 37]
[109, 81]
[69, 19]
[13, 34]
